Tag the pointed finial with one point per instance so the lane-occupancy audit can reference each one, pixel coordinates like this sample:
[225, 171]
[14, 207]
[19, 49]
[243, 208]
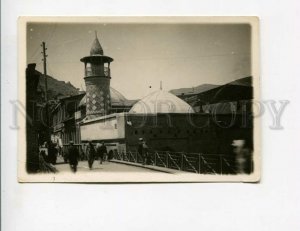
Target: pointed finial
[160, 85]
[96, 34]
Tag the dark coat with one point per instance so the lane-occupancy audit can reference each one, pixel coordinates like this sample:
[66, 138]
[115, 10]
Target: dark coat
[90, 151]
[141, 149]
[101, 150]
[73, 155]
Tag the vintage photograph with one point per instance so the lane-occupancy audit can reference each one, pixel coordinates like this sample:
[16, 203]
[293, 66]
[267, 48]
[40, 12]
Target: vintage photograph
[144, 99]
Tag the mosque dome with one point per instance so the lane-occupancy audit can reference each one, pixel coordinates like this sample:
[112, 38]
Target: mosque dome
[161, 102]
[116, 98]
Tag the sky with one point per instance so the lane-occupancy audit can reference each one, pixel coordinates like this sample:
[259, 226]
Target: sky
[179, 55]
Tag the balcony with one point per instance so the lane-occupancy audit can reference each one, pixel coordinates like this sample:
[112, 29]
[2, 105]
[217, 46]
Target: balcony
[96, 71]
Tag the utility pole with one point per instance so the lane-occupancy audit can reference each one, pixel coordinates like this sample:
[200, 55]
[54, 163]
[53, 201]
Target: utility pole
[45, 70]
[46, 90]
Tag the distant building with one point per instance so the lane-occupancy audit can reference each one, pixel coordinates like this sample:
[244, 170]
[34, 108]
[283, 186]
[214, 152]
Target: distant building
[64, 118]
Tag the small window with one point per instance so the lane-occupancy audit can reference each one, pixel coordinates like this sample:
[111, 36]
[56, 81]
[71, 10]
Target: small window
[136, 132]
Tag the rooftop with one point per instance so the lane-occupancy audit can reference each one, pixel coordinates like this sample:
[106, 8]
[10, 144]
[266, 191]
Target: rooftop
[161, 102]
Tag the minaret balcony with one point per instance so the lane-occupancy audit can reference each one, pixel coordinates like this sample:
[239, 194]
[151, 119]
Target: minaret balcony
[92, 71]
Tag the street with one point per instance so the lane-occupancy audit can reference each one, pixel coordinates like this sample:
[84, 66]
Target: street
[104, 167]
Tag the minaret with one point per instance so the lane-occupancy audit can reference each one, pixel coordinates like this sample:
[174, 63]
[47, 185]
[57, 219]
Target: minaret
[97, 81]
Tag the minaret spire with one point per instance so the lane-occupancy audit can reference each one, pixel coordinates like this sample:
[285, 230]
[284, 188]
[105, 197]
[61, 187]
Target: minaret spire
[160, 85]
[96, 47]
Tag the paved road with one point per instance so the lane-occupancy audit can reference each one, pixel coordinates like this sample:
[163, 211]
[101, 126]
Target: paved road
[104, 167]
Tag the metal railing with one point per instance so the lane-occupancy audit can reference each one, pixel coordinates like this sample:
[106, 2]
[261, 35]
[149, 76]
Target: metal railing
[190, 162]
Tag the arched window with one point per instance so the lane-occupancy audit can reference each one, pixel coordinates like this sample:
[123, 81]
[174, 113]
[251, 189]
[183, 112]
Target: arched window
[88, 69]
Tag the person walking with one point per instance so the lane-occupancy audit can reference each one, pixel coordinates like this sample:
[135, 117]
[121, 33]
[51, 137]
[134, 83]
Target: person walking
[73, 156]
[141, 150]
[90, 152]
[243, 157]
[52, 153]
[146, 153]
[101, 152]
[110, 155]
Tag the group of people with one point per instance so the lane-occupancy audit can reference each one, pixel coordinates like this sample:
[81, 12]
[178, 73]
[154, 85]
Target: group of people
[92, 152]
[49, 152]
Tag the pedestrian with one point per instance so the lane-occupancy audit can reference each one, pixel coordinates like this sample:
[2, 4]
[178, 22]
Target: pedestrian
[110, 155]
[243, 156]
[141, 150]
[101, 152]
[44, 166]
[146, 153]
[52, 153]
[90, 152]
[73, 156]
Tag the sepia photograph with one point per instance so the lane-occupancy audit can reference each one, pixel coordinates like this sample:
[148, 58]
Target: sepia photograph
[138, 99]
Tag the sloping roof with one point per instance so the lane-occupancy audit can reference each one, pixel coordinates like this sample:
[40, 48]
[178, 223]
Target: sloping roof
[240, 89]
[161, 102]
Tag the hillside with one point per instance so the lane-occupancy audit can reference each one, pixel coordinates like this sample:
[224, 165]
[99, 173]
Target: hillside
[193, 90]
[247, 82]
[56, 88]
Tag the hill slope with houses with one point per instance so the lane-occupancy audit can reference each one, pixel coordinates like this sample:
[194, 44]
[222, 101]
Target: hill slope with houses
[56, 88]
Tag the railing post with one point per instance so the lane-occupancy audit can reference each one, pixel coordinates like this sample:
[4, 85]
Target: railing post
[181, 162]
[167, 160]
[221, 165]
[199, 163]
[155, 162]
